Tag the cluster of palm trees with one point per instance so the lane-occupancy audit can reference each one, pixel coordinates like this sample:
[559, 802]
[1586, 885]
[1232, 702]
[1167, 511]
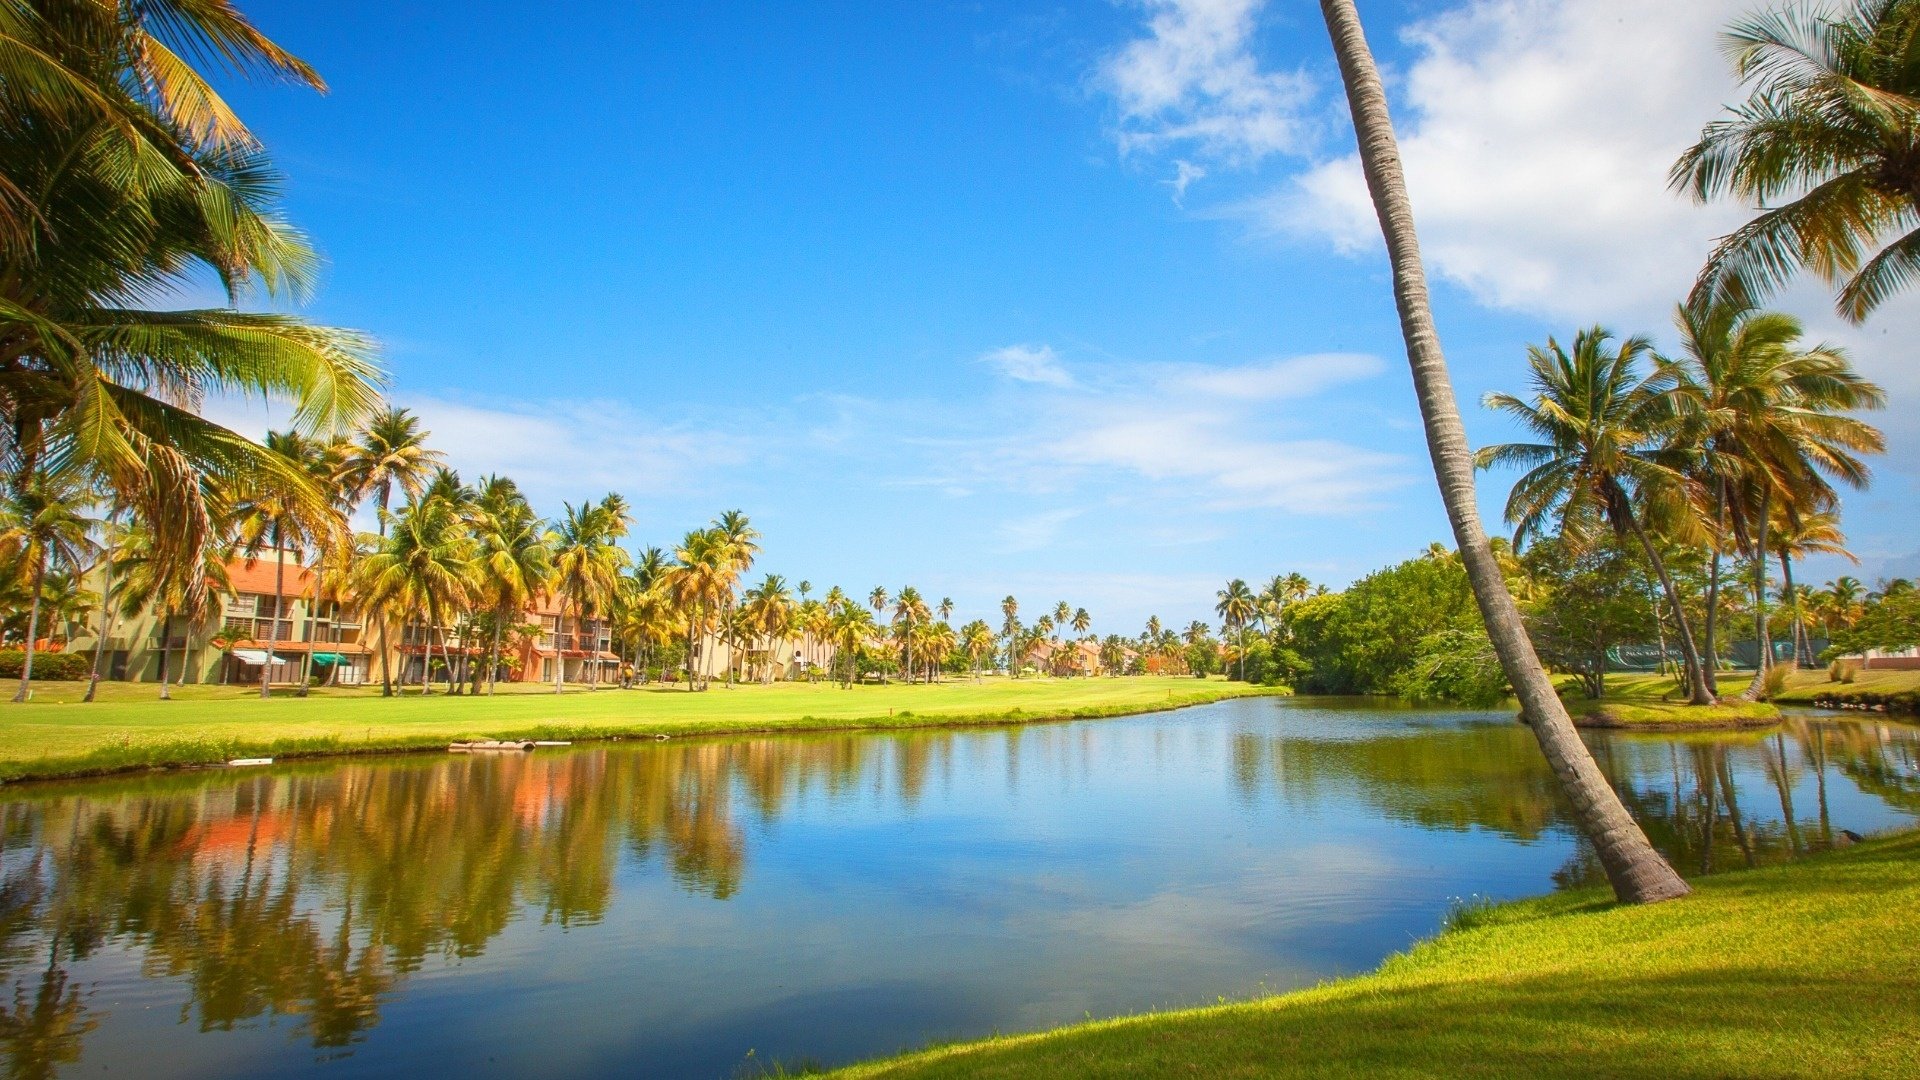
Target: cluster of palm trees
[1733, 448]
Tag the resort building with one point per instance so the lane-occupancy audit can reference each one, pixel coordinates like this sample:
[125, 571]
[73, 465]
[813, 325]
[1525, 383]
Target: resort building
[229, 642]
[790, 657]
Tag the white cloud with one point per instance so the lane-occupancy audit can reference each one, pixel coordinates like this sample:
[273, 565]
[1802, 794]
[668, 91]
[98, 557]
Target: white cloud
[1537, 159]
[1272, 380]
[1035, 531]
[1194, 82]
[1030, 364]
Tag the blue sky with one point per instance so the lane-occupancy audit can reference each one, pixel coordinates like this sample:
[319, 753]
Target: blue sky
[1073, 301]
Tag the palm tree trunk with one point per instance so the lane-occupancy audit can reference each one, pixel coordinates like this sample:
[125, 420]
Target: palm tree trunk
[1711, 657]
[386, 659]
[106, 622]
[166, 653]
[273, 624]
[1802, 649]
[560, 651]
[33, 626]
[1637, 872]
[493, 657]
[1762, 634]
[1699, 691]
[693, 620]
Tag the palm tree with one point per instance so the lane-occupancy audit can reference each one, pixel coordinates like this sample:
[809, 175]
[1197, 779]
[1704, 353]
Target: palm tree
[1824, 145]
[514, 561]
[154, 579]
[703, 572]
[977, 641]
[586, 568]
[285, 519]
[1811, 534]
[1637, 871]
[1010, 629]
[851, 629]
[1606, 460]
[1236, 607]
[768, 608]
[908, 608]
[389, 452]
[425, 564]
[44, 525]
[1772, 422]
[123, 176]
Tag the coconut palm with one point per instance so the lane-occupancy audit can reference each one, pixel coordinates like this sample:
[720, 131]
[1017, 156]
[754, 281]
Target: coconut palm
[1636, 870]
[425, 566]
[909, 609]
[1824, 144]
[769, 612]
[586, 568]
[153, 579]
[44, 526]
[128, 178]
[1811, 534]
[851, 630]
[1010, 629]
[1236, 607]
[1772, 420]
[1606, 461]
[513, 562]
[977, 641]
[703, 572]
[389, 453]
[283, 518]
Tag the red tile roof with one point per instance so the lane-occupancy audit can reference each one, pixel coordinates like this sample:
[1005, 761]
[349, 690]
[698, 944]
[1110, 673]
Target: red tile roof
[257, 575]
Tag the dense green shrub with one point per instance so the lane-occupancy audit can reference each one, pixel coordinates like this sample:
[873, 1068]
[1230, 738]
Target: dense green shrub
[56, 666]
[1365, 640]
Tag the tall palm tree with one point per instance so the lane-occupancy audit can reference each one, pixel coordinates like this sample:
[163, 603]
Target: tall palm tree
[514, 561]
[586, 568]
[1236, 607]
[426, 565]
[44, 525]
[1773, 422]
[389, 453]
[1010, 629]
[1606, 460]
[977, 641]
[851, 629]
[1636, 870]
[703, 572]
[283, 518]
[909, 608]
[769, 610]
[1817, 533]
[1825, 146]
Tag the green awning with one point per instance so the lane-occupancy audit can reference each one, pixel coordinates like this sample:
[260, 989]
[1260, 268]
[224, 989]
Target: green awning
[328, 658]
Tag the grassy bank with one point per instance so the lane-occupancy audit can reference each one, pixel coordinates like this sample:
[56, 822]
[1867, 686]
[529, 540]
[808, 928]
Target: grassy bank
[1798, 970]
[57, 735]
[1658, 703]
[1897, 691]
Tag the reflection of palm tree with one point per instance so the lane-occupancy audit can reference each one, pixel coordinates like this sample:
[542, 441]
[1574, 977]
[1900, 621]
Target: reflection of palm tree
[1633, 866]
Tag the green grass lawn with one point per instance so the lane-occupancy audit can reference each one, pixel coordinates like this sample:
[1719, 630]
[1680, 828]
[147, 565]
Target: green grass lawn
[1657, 702]
[58, 735]
[1808, 969]
[1813, 685]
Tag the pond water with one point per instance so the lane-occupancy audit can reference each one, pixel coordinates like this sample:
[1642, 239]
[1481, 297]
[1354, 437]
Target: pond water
[702, 908]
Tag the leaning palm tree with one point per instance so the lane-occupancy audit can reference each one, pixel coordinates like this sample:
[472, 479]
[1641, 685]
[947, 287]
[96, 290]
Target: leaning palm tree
[1636, 870]
[1606, 459]
[389, 453]
[44, 525]
[1824, 145]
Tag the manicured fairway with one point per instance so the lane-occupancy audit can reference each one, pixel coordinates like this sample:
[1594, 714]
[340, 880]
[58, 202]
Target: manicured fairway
[56, 734]
[1807, 969]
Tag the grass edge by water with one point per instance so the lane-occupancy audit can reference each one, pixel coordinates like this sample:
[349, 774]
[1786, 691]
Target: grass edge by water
[1551, 936]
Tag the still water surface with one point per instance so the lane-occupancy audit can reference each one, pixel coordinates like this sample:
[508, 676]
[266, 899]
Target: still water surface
[696, 908]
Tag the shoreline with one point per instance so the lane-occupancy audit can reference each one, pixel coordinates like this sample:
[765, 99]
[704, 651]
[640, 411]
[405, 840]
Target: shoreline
[188, 753]
[1460, 991]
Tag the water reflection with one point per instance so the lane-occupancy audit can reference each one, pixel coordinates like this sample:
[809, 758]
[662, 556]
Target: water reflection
[313, 897]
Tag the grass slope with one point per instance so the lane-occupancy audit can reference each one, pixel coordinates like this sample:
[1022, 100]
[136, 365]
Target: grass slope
[1807, 969]
[1657, 702]
[56, 735]
[1899, 690]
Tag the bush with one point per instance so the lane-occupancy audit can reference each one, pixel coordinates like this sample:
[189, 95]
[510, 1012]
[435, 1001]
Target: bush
[1834, 670]
[54, 666]
[1775, 682]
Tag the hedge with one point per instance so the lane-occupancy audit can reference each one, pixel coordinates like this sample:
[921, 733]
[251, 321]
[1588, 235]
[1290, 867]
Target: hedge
[57, 666]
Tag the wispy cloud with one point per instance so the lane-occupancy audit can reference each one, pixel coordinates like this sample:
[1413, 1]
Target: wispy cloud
[1029, 364]
[1035, 531]
[1194, 83]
